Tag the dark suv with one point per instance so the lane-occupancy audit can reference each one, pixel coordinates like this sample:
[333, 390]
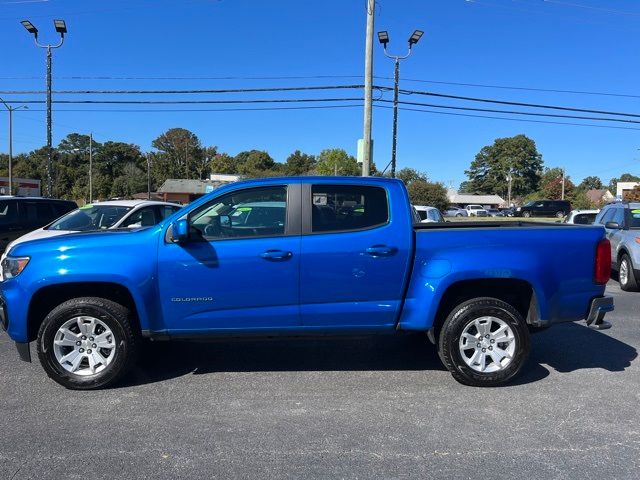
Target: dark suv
[20, 215]
[544, 208]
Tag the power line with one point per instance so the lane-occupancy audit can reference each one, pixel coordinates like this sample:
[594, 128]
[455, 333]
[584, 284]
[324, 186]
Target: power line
[199, 91]
[254, 77]
[508, 119]
[511, 87]
[190, 102]
[520, 104]
[515, 112]
[160, 110]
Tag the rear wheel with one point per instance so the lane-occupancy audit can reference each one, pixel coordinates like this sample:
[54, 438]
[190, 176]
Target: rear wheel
[526, 214]
[626, 276]
[484, 342]
[87, 343]
[559, 214]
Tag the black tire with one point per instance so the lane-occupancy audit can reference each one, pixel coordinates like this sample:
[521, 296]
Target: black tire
[116, 317]
[459, 318]
[526, 214]
[631, 284]
[560, 214]
[458, 214]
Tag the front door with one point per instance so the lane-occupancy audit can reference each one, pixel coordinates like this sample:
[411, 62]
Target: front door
[239, 269]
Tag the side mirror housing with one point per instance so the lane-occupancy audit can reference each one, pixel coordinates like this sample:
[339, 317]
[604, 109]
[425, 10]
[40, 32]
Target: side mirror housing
[180, 231]
[612, 225]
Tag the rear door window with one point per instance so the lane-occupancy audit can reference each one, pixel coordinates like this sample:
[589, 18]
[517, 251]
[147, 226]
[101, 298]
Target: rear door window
[343, 208]
[44, 212]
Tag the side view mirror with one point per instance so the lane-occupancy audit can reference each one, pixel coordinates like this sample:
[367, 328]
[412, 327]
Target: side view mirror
[612, 225]
[180, 231]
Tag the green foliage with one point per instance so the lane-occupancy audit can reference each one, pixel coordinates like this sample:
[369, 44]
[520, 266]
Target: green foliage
[254, 163]
[591, 183]
[518, 155]
[180, 154]
[223, 163]
[633, 195]
[625, 177]
[299, 163]
[580, 200]
[132, 180]
[336, 161]
[430, 194]
[410, 175]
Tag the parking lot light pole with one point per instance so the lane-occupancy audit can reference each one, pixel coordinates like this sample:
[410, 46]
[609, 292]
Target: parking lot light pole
[61, 28]
[383, 38]
[11, 109]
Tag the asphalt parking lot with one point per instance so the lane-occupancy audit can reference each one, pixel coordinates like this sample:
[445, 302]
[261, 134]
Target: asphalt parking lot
[379, 407]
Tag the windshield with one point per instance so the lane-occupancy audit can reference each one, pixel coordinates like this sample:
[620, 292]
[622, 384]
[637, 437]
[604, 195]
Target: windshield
[529, 204]
[90, 217]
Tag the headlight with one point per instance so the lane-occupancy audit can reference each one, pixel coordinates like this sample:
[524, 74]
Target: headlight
[518, 209]
[13, 266]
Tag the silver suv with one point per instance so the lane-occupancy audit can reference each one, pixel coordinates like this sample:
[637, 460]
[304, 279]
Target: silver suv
[622, 223]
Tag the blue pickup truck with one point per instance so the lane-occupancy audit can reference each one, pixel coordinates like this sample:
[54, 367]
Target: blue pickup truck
[302, 256]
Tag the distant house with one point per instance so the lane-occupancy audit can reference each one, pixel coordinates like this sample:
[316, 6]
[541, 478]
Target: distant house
[623, 188]
[461, 200]
[186, 191]
[599, 196]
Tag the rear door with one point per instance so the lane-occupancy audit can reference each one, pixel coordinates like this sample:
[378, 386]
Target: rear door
[10, 227]
[355, 252]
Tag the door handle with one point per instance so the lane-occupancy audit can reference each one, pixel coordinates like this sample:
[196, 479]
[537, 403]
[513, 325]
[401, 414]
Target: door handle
[381, 251]
[276, 255]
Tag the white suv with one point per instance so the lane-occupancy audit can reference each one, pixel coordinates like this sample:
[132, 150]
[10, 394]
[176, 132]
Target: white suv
[477, 211]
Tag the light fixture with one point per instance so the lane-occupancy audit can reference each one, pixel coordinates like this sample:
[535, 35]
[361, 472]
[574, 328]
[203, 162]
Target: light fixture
[415, 37]
[383, 38]
[61, 26]
[29, 26]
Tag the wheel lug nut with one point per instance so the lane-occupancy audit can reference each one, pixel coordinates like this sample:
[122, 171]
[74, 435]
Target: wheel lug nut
[493, 341]
[484, 350]
[82, 350]
[486, 336]
[89, 351]
[78, 343]
[490, 348]
[91, 339]
[479, 345]
[93, 346]
[83, 337]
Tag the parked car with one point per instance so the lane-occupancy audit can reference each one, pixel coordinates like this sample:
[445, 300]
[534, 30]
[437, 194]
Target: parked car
[581, 217]
[494, 212]
[622, 224]
[19, 215]
[544, 208]
[456, 212]
[86, 299]
[428, 214]
[477, 211]
[104, 215]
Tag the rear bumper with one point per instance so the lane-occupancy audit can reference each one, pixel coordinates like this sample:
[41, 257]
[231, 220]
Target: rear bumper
[599, 308]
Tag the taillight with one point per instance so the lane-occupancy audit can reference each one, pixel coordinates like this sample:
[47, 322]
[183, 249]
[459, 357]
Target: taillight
[602, 271]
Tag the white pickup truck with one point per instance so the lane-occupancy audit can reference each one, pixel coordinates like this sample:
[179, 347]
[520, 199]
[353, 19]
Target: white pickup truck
[476, 211]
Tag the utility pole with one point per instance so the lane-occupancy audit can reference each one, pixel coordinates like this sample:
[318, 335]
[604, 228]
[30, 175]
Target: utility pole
[148, 176]
[90, 167]
[383, 38]
[562, 184]
[11, 109]
[368, 89]
[509, 179]
[61, 28]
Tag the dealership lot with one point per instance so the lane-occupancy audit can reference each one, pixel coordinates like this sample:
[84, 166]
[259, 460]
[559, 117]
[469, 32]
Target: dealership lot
[357, 408]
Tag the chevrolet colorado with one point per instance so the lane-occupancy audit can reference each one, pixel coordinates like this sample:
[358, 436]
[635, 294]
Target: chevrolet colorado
[301, 256]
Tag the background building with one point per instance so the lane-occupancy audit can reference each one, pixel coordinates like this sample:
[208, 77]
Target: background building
[22, 187]
[461, 200]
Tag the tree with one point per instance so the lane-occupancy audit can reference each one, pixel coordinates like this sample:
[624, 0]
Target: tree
[336, 161]
[431, 194]
[633, 195]
[223, 163]
[255, 163]
[76, 142]
[130, 182]
[518, 155]
[410, 175]
[299, 163]
[551, 184]
[179, 154]
[591, 183]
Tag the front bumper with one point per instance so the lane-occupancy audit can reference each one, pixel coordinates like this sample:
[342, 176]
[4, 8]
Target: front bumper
[599, 308]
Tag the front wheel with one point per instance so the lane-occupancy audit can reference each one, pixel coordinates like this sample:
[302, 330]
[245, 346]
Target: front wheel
[626, 276]
[484, 342]
[87, 343]
[559, 214]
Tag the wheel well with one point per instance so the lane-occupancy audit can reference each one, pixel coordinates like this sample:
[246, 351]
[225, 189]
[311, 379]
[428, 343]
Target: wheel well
[517, 293]
[47, 298]
[620, 253]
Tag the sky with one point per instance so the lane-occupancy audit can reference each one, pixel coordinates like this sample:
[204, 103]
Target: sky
[571, 45]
